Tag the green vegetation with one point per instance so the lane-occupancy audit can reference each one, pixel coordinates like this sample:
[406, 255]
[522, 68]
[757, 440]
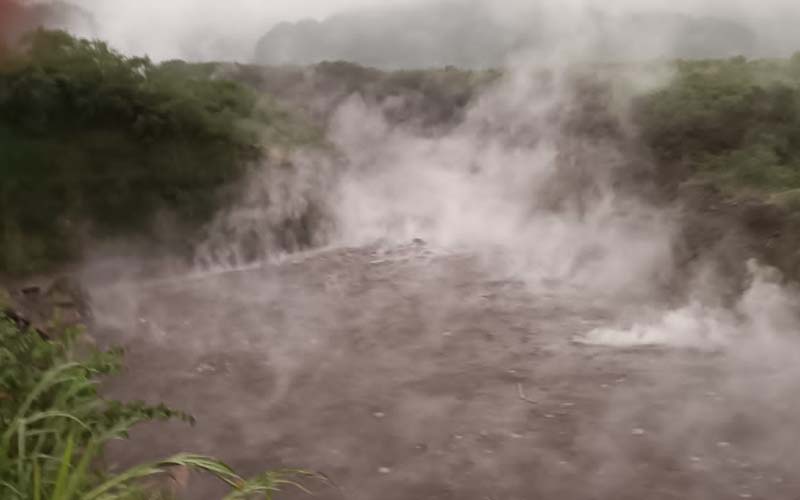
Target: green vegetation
[734, 122]
[54, 425]
[95, 144]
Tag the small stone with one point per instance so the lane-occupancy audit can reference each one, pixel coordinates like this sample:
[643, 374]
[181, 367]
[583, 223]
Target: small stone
[723, 444]
[695, 459]
[447, 334]
[384, 470]
[379, 414]
[638, 432]
[458, 436]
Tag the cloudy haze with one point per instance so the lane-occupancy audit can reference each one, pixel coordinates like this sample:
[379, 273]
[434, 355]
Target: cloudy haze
[206, 29]
[201, 29]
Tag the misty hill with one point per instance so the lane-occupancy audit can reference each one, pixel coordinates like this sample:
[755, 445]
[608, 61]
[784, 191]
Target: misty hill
[477, 34]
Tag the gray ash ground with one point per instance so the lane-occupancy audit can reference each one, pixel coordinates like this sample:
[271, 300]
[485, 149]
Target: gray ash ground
[409, 374]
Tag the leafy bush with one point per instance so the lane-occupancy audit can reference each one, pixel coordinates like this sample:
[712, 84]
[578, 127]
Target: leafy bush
[735, 121]
[96, 144]
[54, 424]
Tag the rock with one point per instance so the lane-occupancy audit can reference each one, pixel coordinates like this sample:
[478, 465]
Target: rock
[22, 323]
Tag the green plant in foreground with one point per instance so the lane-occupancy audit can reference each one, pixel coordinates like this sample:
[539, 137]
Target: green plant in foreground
[54, 425]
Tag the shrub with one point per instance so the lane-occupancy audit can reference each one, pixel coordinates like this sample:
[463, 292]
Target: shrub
[54, 424]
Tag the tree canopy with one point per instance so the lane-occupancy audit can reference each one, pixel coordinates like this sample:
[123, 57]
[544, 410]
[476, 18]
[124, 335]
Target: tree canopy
[94, 141]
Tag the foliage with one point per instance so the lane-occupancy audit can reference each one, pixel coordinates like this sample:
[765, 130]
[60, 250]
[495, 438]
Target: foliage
[93, 143]
[54, 424]
[734, 121]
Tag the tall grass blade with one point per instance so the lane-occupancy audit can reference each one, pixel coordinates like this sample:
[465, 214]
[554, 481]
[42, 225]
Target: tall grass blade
[63, 470]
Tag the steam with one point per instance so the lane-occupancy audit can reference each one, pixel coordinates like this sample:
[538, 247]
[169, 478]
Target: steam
[765, 316]
[532, 192]
[282, 208]
[507, 179]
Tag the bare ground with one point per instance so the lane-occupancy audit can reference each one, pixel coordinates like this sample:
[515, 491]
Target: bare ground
[410, 375]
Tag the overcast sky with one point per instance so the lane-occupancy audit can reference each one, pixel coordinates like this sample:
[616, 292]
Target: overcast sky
[229, 29]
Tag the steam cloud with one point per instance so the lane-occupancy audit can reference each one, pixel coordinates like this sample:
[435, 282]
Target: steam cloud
[535, 195]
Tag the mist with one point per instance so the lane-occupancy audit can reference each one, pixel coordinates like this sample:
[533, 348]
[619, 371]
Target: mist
[444, 30]
[202, 29]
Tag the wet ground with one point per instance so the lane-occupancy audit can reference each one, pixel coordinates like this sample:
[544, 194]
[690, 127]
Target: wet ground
[413, 375]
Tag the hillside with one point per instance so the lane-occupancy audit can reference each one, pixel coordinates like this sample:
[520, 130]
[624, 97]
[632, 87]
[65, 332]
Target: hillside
[473, 34]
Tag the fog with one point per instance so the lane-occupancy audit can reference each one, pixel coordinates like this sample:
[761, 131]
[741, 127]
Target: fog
[200, 29]
[205, 29]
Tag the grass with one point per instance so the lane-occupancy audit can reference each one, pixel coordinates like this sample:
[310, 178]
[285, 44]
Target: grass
[54, 425]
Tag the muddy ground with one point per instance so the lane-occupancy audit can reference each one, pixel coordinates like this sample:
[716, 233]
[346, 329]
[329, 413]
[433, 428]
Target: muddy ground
[416, 374]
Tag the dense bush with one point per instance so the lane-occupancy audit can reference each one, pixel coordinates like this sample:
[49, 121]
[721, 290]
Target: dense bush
[96, 142]
[734, 121]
